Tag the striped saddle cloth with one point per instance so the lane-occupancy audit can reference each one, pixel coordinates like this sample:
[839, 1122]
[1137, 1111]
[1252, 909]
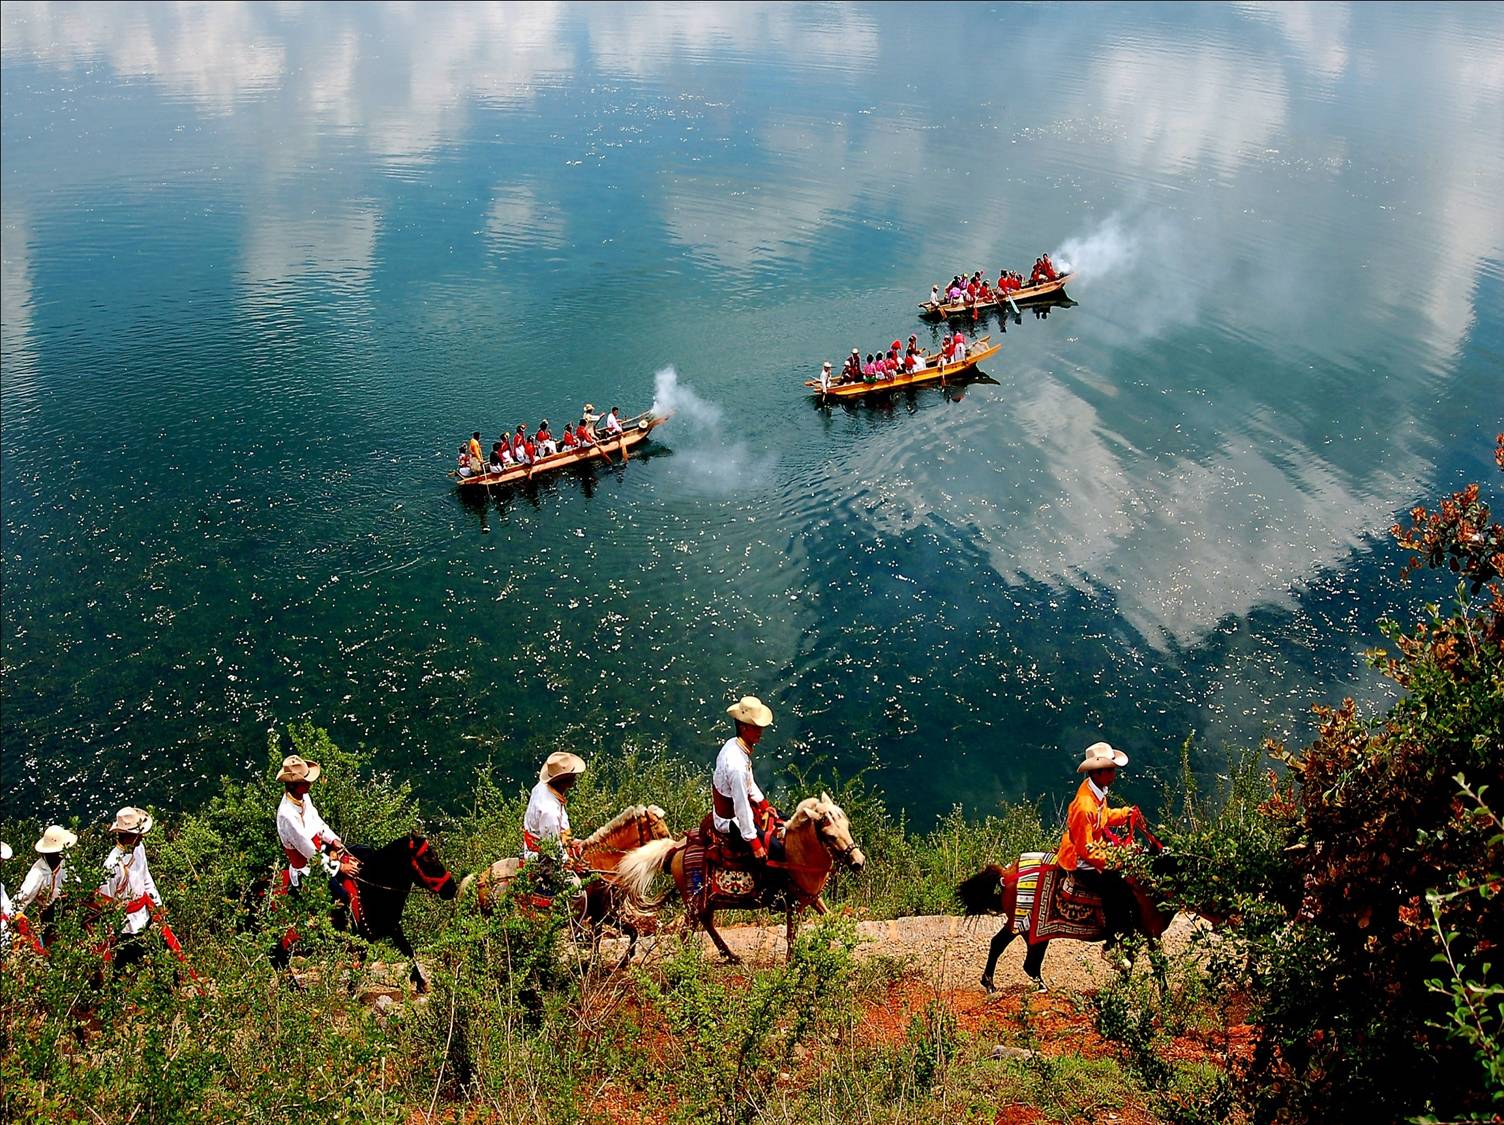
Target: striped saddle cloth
[1050, 905]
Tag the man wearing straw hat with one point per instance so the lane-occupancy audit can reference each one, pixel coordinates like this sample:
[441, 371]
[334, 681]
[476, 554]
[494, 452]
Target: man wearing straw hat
[547, 816]
[1084, 847]
[740, 814]
[303, 835]
[128, 881]
[43, 885]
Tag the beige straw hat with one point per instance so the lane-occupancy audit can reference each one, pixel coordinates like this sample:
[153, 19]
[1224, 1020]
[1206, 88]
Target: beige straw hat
[5, 852]
[750, 709]
[560, 763]
[56, 839]
[133, 820]
[1100, 756]
[295, 768]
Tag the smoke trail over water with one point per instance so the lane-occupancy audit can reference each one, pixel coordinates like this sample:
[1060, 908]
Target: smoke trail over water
[1139, 262]
[704, 456]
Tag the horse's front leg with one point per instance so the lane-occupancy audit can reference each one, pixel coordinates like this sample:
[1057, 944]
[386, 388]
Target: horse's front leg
[415, 971]
[707, 920]
[791, 914]
[1000, 942]
[1034, 965]
[820, 907]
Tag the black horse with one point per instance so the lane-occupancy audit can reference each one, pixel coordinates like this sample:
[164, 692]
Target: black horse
[372, 909]
[994, 890]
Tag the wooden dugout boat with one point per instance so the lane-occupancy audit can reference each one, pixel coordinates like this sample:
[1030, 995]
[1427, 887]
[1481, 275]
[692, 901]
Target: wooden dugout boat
[635, 431]
[1029, 294]
[981, 349]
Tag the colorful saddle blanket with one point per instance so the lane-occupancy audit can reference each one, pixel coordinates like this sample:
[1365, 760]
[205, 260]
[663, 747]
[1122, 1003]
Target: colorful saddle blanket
[711, 869]
[1050, 905]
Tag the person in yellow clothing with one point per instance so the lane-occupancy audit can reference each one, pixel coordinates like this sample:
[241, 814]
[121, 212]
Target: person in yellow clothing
[1084, 847]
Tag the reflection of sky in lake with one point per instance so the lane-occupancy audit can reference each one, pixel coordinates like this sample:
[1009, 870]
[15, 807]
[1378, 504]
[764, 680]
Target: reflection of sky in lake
[261, 263]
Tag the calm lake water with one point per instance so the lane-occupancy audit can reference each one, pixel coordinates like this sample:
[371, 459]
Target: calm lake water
[265, 266]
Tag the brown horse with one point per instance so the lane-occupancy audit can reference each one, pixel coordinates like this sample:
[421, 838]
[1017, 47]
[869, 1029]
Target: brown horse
[600, 900]
[816, 836]
[994, 890]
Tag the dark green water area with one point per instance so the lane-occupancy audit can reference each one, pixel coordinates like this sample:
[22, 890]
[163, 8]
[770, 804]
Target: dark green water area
[265, 266]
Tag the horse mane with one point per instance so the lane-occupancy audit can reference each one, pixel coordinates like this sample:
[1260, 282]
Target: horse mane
[629, 815]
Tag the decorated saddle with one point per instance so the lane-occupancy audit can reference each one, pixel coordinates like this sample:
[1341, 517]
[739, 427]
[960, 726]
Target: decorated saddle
[713, 867]
[1051, 905]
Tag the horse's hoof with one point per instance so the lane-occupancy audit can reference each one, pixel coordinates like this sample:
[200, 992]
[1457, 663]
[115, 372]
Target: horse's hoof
[1039, 986]
[988, 985]
[732, 959]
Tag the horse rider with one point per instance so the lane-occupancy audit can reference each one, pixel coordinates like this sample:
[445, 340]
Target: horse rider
[740, 814]
[43, 885]
[128, 882]
[1084, 847]
[303, 835]
[547, 816]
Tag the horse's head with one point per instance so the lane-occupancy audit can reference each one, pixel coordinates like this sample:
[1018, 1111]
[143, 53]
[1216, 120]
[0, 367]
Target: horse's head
[831, 828]
[427, 868]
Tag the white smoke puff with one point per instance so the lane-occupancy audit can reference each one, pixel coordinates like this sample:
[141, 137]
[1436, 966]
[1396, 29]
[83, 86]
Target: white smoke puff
[704, 458]
[1138, 262]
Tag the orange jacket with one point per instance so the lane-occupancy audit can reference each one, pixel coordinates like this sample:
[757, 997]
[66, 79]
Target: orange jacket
[1084, 838]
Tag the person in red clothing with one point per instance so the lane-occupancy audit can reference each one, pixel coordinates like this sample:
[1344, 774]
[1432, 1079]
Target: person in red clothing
[1084, 847]
[568, 440]
[1047, 266]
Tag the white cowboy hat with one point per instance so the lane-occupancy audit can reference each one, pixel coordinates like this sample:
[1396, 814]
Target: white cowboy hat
[750, 709]
[826, 365]
[5, 852]
[130, 819]
[1101, 756]
[560, 763]
[295, 768]
[56, 839]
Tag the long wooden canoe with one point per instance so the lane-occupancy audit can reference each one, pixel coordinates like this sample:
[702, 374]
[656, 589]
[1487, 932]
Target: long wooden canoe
[635, 431]
[1027, 295]
[979, 350]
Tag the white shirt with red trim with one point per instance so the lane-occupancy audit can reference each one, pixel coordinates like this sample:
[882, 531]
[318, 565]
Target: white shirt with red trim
[302, 832]
[42, 885]
[546, 819]
[128, 880]
[733, 779]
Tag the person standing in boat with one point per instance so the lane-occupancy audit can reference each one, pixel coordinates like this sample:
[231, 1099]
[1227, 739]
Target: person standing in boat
[739, 813]
[936, 300]
[44, 886]
[825, 377]
[613, 424]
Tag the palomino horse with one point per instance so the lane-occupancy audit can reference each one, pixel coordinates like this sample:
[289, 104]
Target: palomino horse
[601, 900]
[994, 890]
[386, 876]
[817, 835]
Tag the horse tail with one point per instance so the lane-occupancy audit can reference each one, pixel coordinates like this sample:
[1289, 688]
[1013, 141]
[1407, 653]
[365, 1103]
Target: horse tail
[638, 867]
[983, 892]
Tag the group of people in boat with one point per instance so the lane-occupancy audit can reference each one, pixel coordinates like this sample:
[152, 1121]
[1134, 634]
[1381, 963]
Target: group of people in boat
[895, 360]
[522, 448]
[976, 290]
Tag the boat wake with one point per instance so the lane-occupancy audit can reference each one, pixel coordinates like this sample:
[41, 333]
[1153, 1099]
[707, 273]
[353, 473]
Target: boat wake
[705, 458]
